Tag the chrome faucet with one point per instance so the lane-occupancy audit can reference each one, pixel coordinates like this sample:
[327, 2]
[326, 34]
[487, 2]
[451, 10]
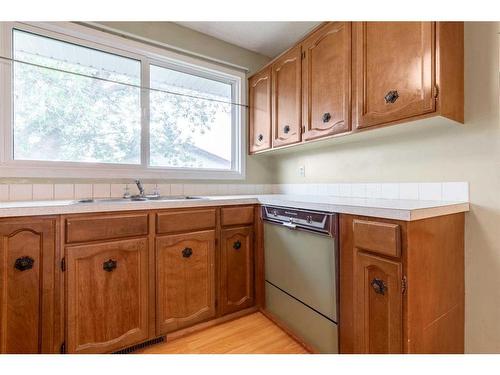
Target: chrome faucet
[140, 187]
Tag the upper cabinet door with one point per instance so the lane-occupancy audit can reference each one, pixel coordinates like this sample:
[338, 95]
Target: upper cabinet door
[394, 71]
[286, 89]
[260, 111]
[107, 295]
[326, 81]
[27, 249]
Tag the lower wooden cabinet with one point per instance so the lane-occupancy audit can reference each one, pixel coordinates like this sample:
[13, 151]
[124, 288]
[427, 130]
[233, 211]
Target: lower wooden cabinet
[237, 269]
[27, 305]
[402, 285]
[377, 305]
[107, 295]
[185, 280]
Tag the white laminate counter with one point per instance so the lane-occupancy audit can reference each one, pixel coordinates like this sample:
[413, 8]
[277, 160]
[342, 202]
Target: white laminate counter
[384, 208]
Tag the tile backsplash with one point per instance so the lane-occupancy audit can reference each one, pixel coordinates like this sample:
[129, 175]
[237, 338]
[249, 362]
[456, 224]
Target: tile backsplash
[445, 191]
[441, 191]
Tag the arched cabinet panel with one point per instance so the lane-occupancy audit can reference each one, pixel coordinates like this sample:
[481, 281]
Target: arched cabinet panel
[185, 280]
[237, 269]
[377, 305]
[27, 251]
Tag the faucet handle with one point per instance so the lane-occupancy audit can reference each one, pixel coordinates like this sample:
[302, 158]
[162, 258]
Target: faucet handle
[126, 192]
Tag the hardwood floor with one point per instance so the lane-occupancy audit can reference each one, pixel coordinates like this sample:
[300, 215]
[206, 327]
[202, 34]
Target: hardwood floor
[251, 334]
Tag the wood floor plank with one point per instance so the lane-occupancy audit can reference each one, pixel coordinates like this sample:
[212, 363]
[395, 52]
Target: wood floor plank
[251, 334]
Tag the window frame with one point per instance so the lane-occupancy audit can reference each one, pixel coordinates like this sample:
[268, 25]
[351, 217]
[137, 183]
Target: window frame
[147, 55]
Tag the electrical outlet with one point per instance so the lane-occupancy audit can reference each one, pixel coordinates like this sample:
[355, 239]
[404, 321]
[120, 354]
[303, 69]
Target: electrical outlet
[302, 171]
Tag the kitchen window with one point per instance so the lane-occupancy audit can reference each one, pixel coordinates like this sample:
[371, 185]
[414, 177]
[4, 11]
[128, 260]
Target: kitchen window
[77, 102]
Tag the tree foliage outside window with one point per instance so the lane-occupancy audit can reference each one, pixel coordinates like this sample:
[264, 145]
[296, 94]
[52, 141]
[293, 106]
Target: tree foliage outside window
[59, 116]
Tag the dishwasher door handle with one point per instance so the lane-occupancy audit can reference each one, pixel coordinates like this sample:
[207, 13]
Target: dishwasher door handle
[290, 225]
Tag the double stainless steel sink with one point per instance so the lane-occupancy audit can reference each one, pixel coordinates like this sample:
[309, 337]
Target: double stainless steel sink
[141, 197]
[138, 198]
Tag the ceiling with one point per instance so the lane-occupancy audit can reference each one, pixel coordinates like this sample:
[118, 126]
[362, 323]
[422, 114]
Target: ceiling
[266, 38]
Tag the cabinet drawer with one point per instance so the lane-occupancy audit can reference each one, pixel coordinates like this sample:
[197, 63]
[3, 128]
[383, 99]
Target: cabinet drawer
[184, 221]
[237, 215]
[105, 227]
[377, 237]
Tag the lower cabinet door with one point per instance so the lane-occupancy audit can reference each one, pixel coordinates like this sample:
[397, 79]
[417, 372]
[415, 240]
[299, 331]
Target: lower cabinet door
[27, 306]
[237, 269]
[377, 305]
[185, 280]
[107, 295]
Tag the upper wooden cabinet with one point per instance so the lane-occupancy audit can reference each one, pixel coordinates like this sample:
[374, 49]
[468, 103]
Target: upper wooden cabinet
[394, 71]
[406, 71]
[326, 81]
[27, 305]
[355, 76]
[260, 111]
[107, 295]
[286, 92]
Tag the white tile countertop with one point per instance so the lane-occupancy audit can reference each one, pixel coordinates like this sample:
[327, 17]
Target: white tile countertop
[399, 209]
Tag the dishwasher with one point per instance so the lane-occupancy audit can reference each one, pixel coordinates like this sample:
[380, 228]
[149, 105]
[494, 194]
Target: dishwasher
[301, 273]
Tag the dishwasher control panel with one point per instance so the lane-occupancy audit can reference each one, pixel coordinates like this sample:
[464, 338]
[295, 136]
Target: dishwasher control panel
[294, 218]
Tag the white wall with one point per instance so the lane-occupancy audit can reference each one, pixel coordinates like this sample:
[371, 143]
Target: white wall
[442, 153]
